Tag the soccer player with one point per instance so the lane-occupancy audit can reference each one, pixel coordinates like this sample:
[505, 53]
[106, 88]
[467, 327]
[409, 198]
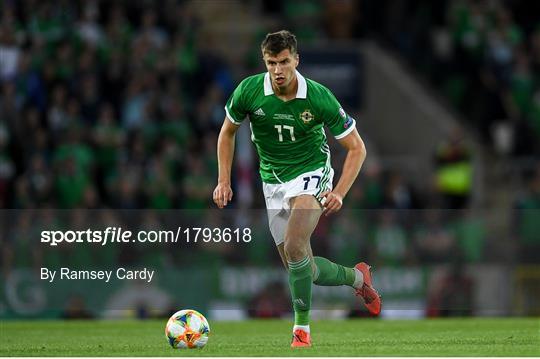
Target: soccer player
[287, 113]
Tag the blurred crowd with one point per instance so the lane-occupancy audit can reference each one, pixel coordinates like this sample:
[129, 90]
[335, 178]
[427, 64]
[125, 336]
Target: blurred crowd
[483, 56]
[107, 106]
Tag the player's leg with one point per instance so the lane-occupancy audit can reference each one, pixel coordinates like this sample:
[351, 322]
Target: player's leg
[304, 216]
[328, 273]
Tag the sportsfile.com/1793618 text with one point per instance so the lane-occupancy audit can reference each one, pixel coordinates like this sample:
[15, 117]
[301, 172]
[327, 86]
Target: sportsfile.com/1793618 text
[119, 235]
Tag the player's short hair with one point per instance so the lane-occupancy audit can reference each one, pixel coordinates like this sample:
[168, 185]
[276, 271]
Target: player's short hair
[275, 42]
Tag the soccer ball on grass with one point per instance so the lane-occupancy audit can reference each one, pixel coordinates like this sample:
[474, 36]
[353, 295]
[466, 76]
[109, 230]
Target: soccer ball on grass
[187, 329]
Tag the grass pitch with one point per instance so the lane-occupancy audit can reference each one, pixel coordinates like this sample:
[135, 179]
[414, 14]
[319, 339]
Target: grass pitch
[435, 337]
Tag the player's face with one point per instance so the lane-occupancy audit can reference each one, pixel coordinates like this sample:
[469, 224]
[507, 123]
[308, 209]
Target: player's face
[282, 68]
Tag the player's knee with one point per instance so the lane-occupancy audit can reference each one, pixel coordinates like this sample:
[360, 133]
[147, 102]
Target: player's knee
[295, 250]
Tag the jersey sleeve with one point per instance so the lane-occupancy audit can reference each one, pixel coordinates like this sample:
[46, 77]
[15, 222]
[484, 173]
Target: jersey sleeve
[335, 118]
[235, 107]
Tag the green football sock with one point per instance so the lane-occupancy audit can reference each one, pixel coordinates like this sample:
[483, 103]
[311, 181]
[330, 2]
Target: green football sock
[332, 274]
[300, 279]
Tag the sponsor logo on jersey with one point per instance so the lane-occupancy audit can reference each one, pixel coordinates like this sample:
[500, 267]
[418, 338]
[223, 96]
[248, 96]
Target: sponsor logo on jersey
[306, 116]
[259, 112]
[342, 112]
[283, 116]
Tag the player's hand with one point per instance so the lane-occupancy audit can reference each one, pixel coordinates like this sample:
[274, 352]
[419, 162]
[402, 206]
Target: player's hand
[222, 194]
[331, 202]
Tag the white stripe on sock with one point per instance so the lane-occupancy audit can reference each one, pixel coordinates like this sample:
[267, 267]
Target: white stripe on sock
[305, 328]
[359, 280]
[301, 263]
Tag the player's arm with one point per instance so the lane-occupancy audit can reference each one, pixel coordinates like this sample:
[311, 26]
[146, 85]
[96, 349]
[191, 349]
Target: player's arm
[225, 152]
[356, 154]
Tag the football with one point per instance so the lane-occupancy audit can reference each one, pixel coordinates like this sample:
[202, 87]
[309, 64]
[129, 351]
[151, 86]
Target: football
[187, 329]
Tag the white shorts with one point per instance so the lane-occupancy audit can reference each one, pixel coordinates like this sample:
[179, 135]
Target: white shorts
[278, 196]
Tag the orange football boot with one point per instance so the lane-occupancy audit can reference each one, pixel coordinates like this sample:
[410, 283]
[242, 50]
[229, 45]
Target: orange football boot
[300, 339]
[371, 297]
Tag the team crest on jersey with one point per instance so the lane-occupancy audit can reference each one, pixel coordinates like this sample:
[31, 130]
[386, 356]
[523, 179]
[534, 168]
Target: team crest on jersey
[306, 116]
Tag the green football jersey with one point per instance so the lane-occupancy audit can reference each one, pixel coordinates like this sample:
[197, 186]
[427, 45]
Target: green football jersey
[288, 135]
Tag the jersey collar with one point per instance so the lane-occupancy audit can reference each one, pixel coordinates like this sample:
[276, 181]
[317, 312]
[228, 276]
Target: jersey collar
[300, 93]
